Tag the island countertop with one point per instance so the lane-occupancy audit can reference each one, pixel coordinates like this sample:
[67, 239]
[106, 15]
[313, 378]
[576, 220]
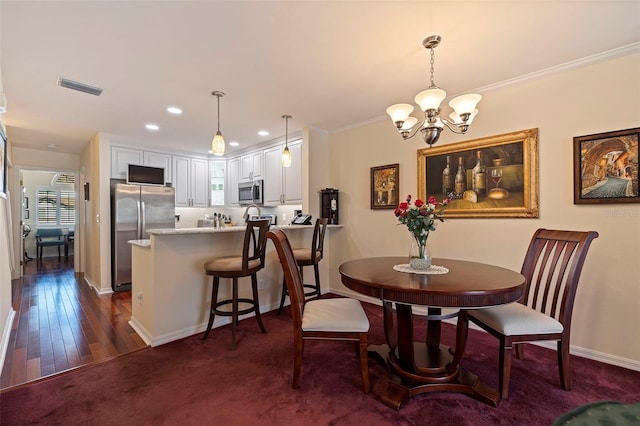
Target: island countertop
[211, 230]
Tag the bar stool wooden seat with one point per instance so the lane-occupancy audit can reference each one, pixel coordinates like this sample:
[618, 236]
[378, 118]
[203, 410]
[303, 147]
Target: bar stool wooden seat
[234, 267]
[308, 257]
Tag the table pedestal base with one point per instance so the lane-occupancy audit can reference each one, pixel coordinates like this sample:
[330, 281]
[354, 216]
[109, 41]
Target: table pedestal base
[400, 389]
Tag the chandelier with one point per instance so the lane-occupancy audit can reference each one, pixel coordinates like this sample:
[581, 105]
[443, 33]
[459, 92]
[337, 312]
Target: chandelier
[286, 154]
[217, 144]
[429, 100]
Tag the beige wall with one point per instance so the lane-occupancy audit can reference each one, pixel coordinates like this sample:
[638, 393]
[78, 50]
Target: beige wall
[591, 99]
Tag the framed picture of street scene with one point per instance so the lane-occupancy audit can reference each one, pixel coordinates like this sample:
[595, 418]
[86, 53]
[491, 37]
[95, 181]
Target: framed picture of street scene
[496, 176]
[385, 183]
[605, 168]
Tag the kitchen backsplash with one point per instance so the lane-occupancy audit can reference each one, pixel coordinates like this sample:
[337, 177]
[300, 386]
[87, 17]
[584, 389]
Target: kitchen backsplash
[189, 216]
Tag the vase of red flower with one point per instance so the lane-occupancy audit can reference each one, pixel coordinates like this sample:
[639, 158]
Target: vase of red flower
[420, 219]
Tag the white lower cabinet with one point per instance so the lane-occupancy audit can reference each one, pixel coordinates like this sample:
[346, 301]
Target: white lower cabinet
[283, 185]
[191, 181]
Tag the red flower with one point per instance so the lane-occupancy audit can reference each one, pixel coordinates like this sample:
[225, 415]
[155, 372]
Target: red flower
[432, 200]
[404, 205]
[419, 203]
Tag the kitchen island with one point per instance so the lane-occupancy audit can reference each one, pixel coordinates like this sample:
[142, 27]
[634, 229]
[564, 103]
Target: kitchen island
[170, 292]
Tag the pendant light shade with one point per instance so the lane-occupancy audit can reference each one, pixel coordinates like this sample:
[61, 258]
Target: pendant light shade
[217, 144]
[286, 154]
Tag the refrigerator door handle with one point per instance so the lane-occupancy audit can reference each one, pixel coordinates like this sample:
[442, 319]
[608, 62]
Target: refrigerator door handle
[144, 224]
[139, 220]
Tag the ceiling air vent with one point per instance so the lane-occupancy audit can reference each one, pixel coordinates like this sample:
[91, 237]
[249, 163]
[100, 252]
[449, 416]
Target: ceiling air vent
[81, 87]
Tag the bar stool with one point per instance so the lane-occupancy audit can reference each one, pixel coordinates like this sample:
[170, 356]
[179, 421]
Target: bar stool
[234, 267]
[307, 257]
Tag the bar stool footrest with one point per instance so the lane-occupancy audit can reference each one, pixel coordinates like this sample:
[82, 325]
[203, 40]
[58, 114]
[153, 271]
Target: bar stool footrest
[240, 312]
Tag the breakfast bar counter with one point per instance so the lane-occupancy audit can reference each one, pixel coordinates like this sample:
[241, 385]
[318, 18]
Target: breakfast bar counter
[170, 293]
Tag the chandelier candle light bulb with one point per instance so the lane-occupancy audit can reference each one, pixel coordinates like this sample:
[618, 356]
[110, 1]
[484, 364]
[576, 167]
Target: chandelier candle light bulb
[429, 101]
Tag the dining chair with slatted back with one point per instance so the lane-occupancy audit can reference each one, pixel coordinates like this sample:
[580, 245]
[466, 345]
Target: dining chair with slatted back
[309, 256]
[329, 318]
[552, 267]
[234, 267]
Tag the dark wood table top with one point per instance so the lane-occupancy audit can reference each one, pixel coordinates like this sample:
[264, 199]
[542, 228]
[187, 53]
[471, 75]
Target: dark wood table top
[466, 285]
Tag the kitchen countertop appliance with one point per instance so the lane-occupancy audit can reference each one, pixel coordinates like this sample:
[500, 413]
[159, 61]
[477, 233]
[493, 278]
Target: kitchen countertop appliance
[271, 217]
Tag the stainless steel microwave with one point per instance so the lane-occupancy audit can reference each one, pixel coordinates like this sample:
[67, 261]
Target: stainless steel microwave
[250, 192]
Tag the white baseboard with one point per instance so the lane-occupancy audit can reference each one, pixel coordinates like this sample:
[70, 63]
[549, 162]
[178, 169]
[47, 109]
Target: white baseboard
[6, 333]
[606, 358]
[96, 288]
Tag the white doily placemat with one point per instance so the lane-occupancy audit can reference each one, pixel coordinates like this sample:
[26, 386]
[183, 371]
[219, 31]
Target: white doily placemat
[434, 269]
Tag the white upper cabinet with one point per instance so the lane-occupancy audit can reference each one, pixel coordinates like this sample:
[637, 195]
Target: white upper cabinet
[233, 178]
[217, 177]
[191, 181]
[251, 166]
[121, 158]
[157, 159]
[283, 185]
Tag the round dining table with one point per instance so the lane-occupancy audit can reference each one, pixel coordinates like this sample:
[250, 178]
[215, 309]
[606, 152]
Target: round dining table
[419, 367]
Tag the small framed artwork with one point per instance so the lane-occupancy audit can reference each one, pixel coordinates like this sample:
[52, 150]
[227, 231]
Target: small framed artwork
[495, 176]
[605, 168]
[26, 214]
[385, 183]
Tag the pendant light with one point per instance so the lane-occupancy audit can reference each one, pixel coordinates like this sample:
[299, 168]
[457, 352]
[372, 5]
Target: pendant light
[217, 144]
[286, 155]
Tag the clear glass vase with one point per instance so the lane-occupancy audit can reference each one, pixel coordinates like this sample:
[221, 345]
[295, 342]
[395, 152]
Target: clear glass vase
[419, 254]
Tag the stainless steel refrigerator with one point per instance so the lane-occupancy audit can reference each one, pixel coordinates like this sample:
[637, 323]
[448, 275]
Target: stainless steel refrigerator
[134, 210]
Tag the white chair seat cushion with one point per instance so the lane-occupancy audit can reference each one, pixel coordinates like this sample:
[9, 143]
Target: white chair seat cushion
[340, 314]
[517, 319]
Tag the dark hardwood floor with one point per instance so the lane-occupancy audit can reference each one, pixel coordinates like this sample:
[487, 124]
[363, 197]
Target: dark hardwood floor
[61, 323]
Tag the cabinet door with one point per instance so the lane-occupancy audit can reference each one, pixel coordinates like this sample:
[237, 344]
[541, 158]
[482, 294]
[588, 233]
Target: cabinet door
[258, 160]
[246, 168]
[181, 179]
[272, 195]
[216, 178]
[251, 166]
[121, 158]
[292, 176]
[156, 159]
[199, 188]
[233, 173]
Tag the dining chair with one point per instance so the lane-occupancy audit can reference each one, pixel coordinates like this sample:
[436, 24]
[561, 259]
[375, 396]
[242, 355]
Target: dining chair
[309, 256]
[322, 319]
[551, 267]
[234, 267]
[50, 237]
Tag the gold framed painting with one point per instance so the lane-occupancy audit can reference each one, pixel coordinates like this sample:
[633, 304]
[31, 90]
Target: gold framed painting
[496, 176]
[385, 183]
[605, 168]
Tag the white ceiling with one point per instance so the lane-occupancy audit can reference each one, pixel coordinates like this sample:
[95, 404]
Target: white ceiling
[329, 64]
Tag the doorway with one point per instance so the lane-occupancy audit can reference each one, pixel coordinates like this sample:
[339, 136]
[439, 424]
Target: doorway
[49, 200]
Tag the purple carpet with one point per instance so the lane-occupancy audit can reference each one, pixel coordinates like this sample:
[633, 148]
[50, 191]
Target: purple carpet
[191, 382]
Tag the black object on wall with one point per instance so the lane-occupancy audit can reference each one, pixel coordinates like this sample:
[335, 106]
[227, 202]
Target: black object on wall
[86, 191]
[329, 205]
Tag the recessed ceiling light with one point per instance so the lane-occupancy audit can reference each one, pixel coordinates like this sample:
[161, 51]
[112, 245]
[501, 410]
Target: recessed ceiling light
[234, 144]
[174, 110]
[152, 126]
[52, 146]
[263, 133]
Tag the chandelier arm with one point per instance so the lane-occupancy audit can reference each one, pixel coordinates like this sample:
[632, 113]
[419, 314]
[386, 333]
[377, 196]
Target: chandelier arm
[448, 124]
[408, 134]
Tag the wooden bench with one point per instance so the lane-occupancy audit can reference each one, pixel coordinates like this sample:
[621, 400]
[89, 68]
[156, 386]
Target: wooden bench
[51, 237]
